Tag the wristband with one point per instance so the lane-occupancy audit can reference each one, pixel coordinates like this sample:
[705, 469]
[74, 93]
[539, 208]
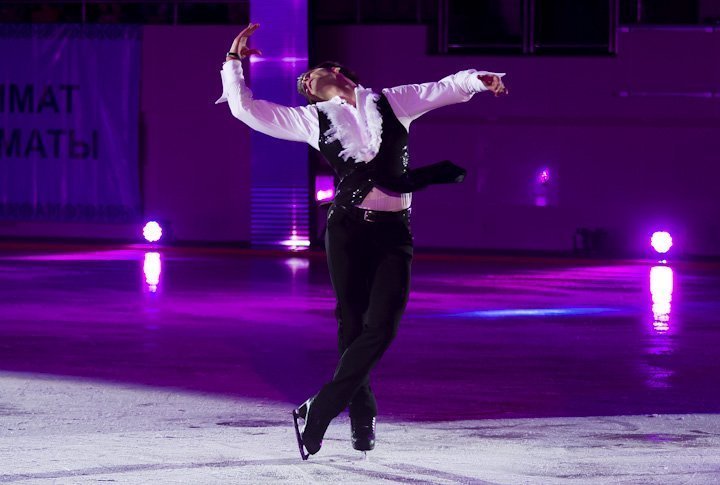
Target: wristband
[233, 55]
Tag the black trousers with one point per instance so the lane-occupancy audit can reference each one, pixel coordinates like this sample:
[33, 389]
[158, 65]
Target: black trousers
[369, 264]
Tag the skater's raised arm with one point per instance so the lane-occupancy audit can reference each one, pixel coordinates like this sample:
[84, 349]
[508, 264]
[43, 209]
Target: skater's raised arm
[288, 123]
[411, 101]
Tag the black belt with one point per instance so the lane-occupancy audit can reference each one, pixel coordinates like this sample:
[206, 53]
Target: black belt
[369, 215]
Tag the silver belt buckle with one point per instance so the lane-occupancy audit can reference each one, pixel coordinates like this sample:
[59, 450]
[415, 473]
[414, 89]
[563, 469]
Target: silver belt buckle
[368, 216]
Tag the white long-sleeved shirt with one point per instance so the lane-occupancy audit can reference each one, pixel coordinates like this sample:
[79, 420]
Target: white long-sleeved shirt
[361, 131]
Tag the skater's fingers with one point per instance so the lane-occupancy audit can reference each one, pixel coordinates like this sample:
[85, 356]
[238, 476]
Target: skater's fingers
[241, 39]
[247, 31]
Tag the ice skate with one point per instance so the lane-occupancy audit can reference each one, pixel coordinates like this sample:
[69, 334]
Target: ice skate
[363, 433]
[307, 443]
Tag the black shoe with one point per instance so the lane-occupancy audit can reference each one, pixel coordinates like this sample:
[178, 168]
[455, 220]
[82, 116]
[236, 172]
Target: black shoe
[310, 437]
[363, 433]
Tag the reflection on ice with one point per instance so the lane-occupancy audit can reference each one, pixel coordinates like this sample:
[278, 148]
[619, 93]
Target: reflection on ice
[152, 268]
[296, 264]
[661, 290]
[660, 345]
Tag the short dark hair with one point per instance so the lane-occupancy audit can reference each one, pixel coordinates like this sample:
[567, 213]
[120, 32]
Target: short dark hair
[325, 65]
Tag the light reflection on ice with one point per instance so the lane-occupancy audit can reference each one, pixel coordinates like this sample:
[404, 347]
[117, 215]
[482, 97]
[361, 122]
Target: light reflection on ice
[661, 290]
[152, 267]
[660, 344]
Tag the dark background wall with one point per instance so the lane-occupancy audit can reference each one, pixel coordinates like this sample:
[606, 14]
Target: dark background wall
[631, 141]
[196, 155]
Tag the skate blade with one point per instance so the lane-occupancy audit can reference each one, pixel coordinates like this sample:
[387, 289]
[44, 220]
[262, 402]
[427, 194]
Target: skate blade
[301, 446]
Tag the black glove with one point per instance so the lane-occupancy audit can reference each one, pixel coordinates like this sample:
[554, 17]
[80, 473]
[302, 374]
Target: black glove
[444, 172]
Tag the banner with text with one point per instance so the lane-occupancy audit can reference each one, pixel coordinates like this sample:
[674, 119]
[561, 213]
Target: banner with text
[69, 103]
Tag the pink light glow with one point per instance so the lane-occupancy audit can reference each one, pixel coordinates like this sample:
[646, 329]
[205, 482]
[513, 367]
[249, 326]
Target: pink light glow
[152, 232]
[295, 242]
[296, 264]
[152, 268]
[661, 290]
[543, 175]
[324, 187]
[661, 241]
[293, 59]
[323, 195]
[285, 59]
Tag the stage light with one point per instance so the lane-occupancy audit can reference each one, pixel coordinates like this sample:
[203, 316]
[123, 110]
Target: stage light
[324, 187]
[544, 187]
[323, 195]
[296, 243]
[152, 232]
[661, 241]
[543, 175]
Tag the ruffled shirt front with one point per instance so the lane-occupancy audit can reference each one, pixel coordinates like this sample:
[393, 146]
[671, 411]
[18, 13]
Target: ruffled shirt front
[359, 129]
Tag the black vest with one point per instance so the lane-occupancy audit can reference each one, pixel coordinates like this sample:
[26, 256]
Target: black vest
[358, 178]
[389, 168]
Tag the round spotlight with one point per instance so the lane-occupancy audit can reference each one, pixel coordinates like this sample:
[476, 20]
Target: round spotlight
[661, 241]
[152, 232]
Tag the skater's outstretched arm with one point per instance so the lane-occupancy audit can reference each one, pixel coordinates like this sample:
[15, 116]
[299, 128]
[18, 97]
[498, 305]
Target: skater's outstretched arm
[288, 123]
[411, 101]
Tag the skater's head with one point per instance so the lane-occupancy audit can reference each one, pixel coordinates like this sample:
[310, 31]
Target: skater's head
[325, 81]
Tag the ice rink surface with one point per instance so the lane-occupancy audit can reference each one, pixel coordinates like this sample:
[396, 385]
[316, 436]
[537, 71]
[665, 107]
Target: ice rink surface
[116, 367]
[63, 431]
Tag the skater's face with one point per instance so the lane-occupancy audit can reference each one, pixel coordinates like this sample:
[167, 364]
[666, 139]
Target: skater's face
[318, 82]
[322, 84]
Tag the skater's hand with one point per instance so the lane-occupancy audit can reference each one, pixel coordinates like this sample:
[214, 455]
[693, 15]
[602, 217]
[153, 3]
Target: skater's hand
[494, 84]
[239, 45]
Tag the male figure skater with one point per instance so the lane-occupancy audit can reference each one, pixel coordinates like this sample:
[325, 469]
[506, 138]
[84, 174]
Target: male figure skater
[364, 136]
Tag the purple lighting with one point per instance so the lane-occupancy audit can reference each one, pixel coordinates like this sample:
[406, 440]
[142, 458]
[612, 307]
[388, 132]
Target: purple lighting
[295, 242]
[296, 264]
[285, 59]
[152, 268]
[536, 312]
[152, 232]
[543, 189]
[661, 241]
[543, 175]
[293, 59]
[323, 195]
[661, 290]
[324, 187]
